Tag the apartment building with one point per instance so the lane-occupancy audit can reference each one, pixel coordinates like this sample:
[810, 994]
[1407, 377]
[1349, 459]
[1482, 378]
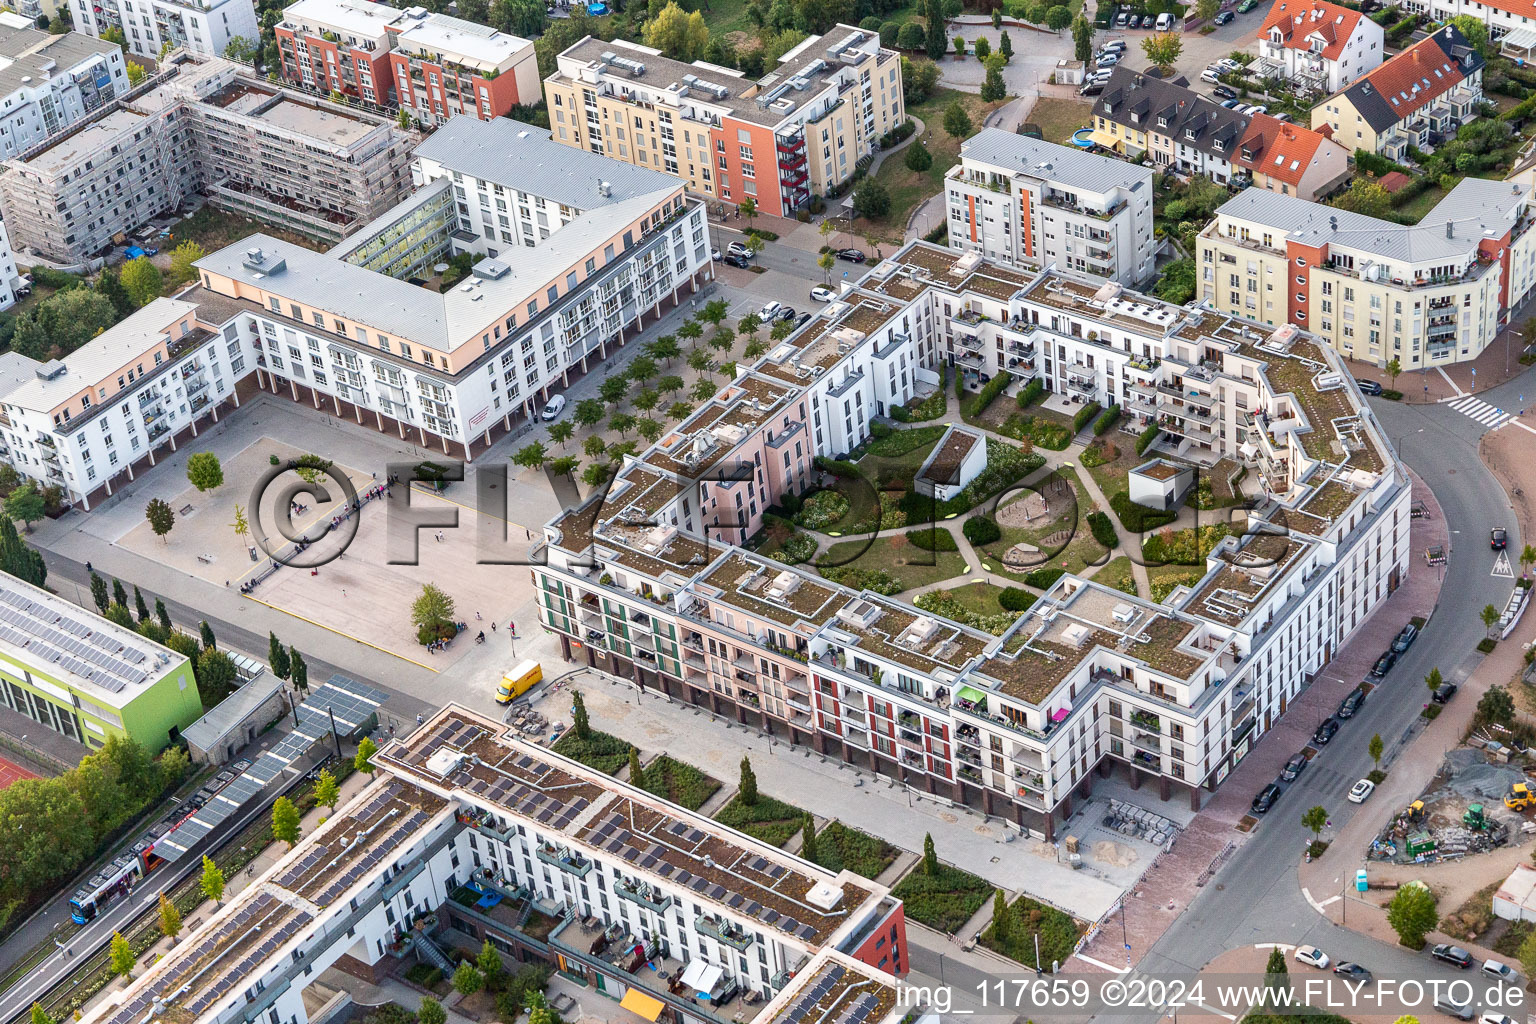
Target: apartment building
[203, 27]
[645, 581]
[76, 673]
[1425, 295]
[433, 65]
[800, 131]
[49, 82]
[10, 278]
[1317, 46]
[282, 157]
[1185, 131]
[1291, 159]
[470, 836]
[1084, 213]
[1418, 98]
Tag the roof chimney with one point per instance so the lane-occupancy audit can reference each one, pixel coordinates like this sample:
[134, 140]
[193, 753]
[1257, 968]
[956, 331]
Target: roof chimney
[1450, 229]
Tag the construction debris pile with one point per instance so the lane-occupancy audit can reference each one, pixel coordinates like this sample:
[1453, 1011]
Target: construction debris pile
[1138, 823]
[1455, 816]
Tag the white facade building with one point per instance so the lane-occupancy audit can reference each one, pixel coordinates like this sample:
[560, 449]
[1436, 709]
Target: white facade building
[49, 82]
[1026, 201]
[1319, 46]
[204, 27]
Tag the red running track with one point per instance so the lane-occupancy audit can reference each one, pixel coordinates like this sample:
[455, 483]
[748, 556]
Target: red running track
[11, 772]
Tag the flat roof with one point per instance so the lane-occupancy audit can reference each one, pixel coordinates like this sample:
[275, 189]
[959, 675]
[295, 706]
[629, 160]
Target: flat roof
[72, 147]
[465, 40]
[1066, 165]
[322, 125]
[366, 19]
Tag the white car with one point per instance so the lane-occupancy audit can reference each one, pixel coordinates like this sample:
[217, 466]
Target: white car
[737, 249]
[1495, 1018]
[820, 294]
[1361, 791]
[1164, 22]
[1313, 957]
[770, 312]
[714, 254]
[1257, 108]
[1499, 971]
[1209, 75]
[1109, 60]
[1226, 64]
[555, 407]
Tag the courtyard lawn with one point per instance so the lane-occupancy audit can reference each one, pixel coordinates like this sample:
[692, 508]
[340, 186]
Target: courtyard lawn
[213, 229]
[679, 782]
[977, 598]
[839, 847]
[1027, 918]
[1414, 209]
[944, 900]
[1061, 534]
[909, 188]
[1118, 574]
[888, 564]
[1058, 118]
[1112, 476]
[604, 752]
[772, 821]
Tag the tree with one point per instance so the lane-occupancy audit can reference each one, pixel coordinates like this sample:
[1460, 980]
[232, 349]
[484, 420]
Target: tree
[136, 72]
[161, 518]
[242, 49]
[594, 446]
[40, 1016]
[826, 261]
[934, 17]
[121, 956]
[241, 525]
[647, 400]
[215, 676]
[531, 456]
[432, 612]
[566, 465]
[581, 725]
[623, 422]
[959, 47]
[613, 390]
[956, 121]
[1489, 615]
[1365, 197]
[285, 821]
[664, 348]
[363, 759]
[431, 1012]
[636, 769]
[561, 432]
[678, 34]
[111, 288]
[1205, 10]
[205, 633]
[490, 965]
[170, 919]
[1005, 46]
[748, 791]
[691, 332]
[139, 607]
[277, 656]
[1496, 707]
[212, 882]
[74, 316]
[1177, 283]
[911, 37]
[27, 504]
[163, 616]
[1394, 367]
[1527, 558]
[1476, 33]
[808, 837]
[119, 595]
[1527, 955]
[930, 858]
[641, 369]
[1276, 973]
[748, 209]
[468, 980]
[1002, 920]
[993, 87]
[327, 793]
[99, 592]
[142, 280]
[1058, 18]
[1376, 748]
[185, 255]
[17, 558]
[704, 388]
[1411, 914]
[204, 471]
[870, 199]
[1314, 820]
[669, 385]
[1434, 680]
[300, 670]
[1163, 49]
[588, 412]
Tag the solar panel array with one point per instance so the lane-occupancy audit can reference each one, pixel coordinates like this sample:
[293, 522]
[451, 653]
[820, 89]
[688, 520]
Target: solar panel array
[92, 653]
[801, 1008]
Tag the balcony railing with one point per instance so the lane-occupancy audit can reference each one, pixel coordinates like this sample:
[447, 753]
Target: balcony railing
[723, 932]
[565, 860]
[643, 894]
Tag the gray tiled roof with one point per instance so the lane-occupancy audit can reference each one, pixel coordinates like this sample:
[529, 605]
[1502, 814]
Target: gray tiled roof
[1150, 98]
[1063, 164]
[27, 52]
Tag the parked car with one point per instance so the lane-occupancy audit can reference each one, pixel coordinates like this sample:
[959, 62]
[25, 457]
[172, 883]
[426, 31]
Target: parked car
[555, 407]
[1266, 799]
[1246, 6]
[801, 319]
[1444, 694]
[1231, 104]
[1369, 387]
[1258, 108]
[1091, 89]
[1224, 17]
[1352, 971]
[1326, 731]
[732, 260]
[1109, 60]
[1123, 20]
[1384, 664]
[1293, 767]
[1361, 791]
[1498, 538]
[1350, 704]
[770, 312]
[1499, 971]
[851, 255]
[1448, 1006]
[1114, 46]
[740, 250]
[788, 312]
[1312, 956]
[1495, 1018]
[1405, 638]
[820, 294]
[1164, 22]
[1282, 116]
[1454, 955]
[1208, 75]
[715, 254]
[1226, 64]
[1226, 92]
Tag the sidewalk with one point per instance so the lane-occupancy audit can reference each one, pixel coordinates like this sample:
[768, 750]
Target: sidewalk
[1499, 363]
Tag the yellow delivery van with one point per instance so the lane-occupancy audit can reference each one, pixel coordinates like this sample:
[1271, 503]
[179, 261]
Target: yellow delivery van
[516, 682]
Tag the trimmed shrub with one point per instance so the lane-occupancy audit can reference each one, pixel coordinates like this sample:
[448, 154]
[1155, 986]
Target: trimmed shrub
[1084, 415]
[1031, 393]
[1106, 421]
[933, 539]
[1147, 437]
[1044, 577]
[870, 24]
[790, 502]
[840, 468]
[910, 36]
[1139, 518]
[1015, 599]
[972, 406]
[880, 429]
[1103, 529]
[981, 530]
[889, 30]
[900, 133]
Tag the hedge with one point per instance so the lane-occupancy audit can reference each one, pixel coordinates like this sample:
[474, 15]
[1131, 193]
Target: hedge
[1106, 421]
[1147, 437]
[930, 408]
[974, 405]
[1084, 414]
[1015, 599]
[933, 539]
[841, 468]
[900, 133]
[900, 442]
[1044, 577]
[981, 530]
[1031, 393]
[1139, 518]
[1103, 530]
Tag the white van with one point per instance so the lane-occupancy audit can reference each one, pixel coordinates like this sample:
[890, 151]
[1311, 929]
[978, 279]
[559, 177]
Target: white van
[1164, 22]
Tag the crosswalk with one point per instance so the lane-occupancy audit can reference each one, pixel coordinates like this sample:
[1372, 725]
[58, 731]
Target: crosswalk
[1482, 412]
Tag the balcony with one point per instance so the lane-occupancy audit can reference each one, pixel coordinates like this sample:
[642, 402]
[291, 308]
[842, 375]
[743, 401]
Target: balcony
[564, 859]
[723, 932]
[643, 894]
[1081, 386]
[914, 760]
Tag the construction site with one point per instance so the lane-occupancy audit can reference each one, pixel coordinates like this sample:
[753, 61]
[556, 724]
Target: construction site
[1479, 801]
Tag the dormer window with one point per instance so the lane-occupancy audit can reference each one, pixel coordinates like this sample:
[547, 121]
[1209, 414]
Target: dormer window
[1219, 145]
[1190, 133]
[1162, 122]
[1247, 153]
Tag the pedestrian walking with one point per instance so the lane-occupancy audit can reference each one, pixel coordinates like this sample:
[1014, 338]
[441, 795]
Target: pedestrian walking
[419, 719]
[493, 627]
[477, 616]
[343, 591]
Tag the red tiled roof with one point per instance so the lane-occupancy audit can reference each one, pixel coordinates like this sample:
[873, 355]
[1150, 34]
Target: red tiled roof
[1413, 79]
[1277, 149]
[1394, 180]
[1299, 20]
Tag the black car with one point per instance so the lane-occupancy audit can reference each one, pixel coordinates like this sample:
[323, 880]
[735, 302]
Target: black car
[1452, 955]
[1353, 971]
[1444, 694]
[1293, 767]
[1266, 798]
[1326, 731]
[732, 260]
[1351, 703]
[1224, 17]
[1405, 638]
[1226, 92]
[788, 312]
[851, 255]
[1498, 538]
[1091, 89]
[802, 318]
[1368, 387]
[1384, 664]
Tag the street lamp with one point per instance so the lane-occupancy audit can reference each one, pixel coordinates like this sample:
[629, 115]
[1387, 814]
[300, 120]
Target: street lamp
[1507, 336]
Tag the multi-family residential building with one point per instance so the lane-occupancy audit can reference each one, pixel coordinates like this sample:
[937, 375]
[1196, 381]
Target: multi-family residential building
[1291, 159]
[203, 27]
[76, 673]
[1185, 131]
[1374, 290]
[50, 82]
[1418, 98]
[1317, 46]
[433, 65]
[469, 836]
[10, 278]
[283, 157]
[1031, 202]
[800, 131]
[644, 581]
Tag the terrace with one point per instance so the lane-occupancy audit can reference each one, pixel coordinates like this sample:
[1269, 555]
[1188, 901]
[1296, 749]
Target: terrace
[752, 585]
